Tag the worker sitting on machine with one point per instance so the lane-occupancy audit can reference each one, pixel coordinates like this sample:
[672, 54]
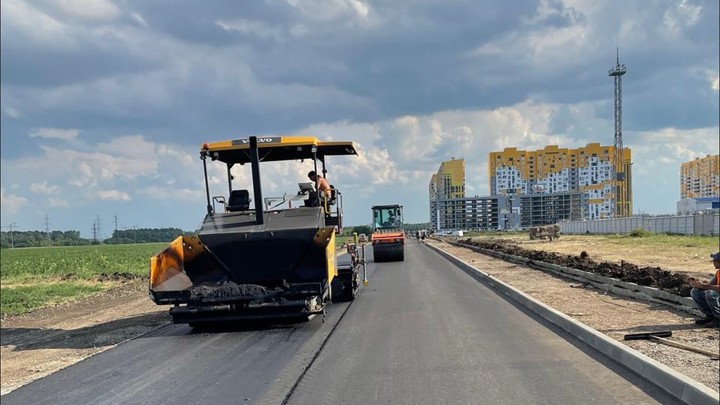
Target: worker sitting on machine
[324, 192]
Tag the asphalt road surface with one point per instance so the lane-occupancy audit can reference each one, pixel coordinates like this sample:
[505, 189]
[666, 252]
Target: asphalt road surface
[422, 332]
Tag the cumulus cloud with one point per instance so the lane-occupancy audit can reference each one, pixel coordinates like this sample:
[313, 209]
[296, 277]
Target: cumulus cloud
[255, 28]
[36, 25]
[113, 195]
[90, 10]
[11, 202]
[169, 194]
[332, 9]
[112, 171]
[43, 188]
[128, 145]
[680, 15]
[139, 19]
[90, 169]
[13, 113]
[55, 133]
[58, 203]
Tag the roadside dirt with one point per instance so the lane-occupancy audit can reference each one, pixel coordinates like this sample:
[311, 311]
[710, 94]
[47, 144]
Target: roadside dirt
[672, 282]
[47, 340]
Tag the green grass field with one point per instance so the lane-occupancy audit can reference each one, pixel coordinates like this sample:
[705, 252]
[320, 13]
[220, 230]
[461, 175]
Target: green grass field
[34, 277]
[697, 244]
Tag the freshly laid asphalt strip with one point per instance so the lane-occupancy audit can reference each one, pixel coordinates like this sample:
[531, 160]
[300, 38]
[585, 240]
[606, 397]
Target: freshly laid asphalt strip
[422, 332]
[425, 332]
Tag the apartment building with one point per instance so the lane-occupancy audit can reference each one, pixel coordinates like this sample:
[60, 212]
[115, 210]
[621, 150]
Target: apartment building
[700, 178]
[447, 185]
[588, 170]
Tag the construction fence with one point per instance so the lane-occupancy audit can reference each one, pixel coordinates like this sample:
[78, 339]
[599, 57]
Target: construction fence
[695, 224]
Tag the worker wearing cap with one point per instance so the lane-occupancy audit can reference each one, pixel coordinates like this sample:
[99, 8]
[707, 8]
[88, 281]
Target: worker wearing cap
[707, 296]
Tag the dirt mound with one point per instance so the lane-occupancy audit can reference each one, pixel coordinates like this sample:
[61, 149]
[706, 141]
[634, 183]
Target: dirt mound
[119, 277]
[656, 277]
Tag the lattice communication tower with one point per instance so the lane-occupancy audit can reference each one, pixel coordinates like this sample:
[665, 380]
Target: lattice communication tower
[620, 198]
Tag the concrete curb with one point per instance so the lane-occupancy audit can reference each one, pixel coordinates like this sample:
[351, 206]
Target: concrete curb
[680, 386]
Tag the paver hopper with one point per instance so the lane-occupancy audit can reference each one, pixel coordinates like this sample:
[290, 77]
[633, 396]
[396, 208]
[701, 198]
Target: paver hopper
[257, 263]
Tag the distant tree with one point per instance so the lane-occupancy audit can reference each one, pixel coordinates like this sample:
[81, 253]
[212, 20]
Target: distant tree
[38, 238]
[72, 238]
[144, 235]
[366, 229]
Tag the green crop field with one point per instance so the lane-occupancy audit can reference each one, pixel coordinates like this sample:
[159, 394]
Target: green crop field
[34, 277]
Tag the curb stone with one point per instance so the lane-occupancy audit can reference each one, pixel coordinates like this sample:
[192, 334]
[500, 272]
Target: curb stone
[678, 385]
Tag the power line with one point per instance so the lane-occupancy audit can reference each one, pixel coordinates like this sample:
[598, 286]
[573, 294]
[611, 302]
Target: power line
[11, 226]
[47, 230]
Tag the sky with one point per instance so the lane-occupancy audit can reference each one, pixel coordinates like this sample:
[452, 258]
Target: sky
[104, 104]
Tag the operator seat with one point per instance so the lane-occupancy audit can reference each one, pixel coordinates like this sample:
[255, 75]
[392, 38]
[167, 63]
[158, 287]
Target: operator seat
[333, 196]
[239, 201]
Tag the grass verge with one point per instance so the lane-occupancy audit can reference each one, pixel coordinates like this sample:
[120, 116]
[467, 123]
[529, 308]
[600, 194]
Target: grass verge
[31, 278]
[22, 299]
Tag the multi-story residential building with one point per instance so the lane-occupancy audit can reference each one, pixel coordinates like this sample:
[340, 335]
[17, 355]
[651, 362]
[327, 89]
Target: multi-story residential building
[553, 170]
[448, 184]
[700, 178]
[543, 209]
[507, 211]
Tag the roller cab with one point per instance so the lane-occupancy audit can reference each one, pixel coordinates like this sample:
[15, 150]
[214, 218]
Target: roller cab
[388, 238]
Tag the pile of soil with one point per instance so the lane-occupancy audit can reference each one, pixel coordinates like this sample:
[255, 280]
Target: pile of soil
[115, 277]
[656, 277]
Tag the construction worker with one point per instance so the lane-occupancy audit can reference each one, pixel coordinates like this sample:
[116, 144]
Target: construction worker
[323, 187]
[707, 296]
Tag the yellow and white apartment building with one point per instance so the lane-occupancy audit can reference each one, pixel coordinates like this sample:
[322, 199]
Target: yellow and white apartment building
[700, 178]
[588, 170]
[446, 187]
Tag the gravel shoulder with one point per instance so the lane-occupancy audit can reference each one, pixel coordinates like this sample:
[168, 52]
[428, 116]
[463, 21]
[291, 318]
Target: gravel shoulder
[49, 339]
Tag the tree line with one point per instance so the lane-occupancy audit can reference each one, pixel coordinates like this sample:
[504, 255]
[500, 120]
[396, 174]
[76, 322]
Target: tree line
[367, 230]
[20, 239]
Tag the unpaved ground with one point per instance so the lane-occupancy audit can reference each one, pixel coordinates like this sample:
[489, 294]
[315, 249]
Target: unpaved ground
[671, 281]
[47, 340]
[686, 260]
